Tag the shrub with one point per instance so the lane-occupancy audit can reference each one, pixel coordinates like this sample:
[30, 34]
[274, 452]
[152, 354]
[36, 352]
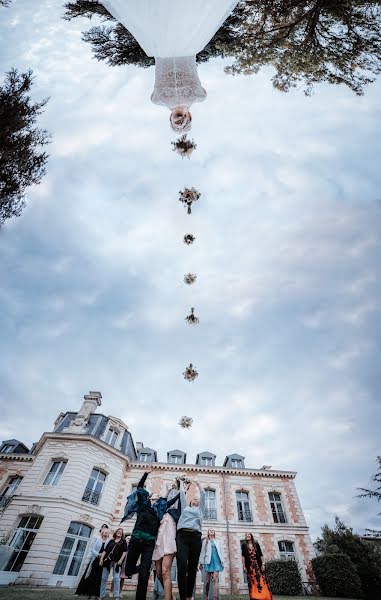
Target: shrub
[284, 577]
[337, 576]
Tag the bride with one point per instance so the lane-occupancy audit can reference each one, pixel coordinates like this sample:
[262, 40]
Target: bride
[173, 31]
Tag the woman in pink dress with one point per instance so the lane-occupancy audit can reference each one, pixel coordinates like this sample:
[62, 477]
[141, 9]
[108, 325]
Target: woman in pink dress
[165, 549]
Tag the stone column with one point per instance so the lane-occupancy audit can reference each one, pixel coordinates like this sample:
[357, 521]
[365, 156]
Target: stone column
[91, 402]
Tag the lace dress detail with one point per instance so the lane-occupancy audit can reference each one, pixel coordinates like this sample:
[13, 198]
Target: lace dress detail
[177, 82]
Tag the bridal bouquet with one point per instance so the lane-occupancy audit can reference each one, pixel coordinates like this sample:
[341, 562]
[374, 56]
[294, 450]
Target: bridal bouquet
[182, 479]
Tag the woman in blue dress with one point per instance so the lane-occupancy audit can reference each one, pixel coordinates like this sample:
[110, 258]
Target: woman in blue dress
[211, 562]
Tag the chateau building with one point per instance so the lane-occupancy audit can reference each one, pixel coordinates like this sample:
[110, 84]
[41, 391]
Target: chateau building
[54, 497]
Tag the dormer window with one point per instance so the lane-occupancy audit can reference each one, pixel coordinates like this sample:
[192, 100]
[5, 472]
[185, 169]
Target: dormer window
[175, 459]
[111, 437]
[8, 448]
[236, 463]
[145, 457]
[206, 461]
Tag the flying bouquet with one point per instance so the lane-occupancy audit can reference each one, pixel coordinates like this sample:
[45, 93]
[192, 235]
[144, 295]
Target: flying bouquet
[186, 422]
[190, 278]
[192, 319]
[189, 239]
[183, 146]
[188, 196]
[182, 478]
[190, 373]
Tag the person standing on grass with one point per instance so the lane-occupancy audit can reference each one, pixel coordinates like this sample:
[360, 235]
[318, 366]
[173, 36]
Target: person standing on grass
[188, 540]
[90, 583]
[254, 566]
[165, 549]
[149, 512]
[211, 562]
[123, 575]
[111, 560]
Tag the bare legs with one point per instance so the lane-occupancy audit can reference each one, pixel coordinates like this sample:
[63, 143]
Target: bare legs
[215, 584]
[163, 572]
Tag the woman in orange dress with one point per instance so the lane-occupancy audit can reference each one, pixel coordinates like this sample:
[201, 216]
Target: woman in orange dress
[254, 567]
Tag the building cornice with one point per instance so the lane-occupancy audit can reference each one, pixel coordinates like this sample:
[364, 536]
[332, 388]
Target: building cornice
[46, 501]
[81, 437]
[225, 470]
[19, 457]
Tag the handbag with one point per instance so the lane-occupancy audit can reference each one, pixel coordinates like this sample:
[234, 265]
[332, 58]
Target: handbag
[109, 558]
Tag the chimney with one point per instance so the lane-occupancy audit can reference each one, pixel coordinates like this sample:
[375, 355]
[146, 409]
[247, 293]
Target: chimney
[139, 446]
[91, 402]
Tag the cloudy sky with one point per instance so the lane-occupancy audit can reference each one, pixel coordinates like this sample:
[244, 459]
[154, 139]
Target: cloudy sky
[287, 256]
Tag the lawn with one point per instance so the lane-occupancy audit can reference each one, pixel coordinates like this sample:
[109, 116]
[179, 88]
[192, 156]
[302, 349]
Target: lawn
[16, 593]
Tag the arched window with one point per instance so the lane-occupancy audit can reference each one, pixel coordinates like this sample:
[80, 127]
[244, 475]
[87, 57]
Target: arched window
[22, 541]
[73, 550]
[286, 550]
[94, 487]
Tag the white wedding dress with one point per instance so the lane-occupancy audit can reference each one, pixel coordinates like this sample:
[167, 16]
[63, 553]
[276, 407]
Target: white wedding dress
[173, 31]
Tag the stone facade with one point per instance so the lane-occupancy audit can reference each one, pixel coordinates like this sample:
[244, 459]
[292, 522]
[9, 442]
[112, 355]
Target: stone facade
[70, 497]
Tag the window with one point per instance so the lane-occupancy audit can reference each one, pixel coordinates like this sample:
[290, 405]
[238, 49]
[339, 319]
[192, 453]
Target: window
[9, 490]
[8, 448]
[176, 459]
[22, 541]
[111, 437]
[243, 507]
[277, 508]
[94, 487]
[206, 461]
[210, 505]
[286, 550]
[73, 549]
[55, 472]
[237, 463]
[145, 457]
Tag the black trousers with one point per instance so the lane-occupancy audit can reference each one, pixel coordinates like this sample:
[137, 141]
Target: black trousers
[142, 549]
[188, 554]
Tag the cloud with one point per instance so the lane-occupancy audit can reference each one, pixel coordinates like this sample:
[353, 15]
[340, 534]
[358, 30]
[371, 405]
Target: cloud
[287, 256]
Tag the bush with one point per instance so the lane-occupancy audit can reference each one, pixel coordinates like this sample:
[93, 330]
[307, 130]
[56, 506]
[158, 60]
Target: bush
[337, 576]
[363, 555]
[284, 577]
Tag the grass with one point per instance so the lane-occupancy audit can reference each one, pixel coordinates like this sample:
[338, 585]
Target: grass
[16, 593]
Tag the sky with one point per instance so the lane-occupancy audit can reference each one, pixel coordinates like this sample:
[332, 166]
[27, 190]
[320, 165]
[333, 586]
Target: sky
[287, 256]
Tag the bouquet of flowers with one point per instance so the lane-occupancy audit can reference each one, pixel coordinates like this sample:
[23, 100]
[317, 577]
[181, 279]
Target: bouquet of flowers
[183, 146]
[190, 373]
[190, 278]
[189, 239]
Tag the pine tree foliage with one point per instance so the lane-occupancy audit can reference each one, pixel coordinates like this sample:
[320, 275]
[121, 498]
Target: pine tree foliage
[375, 493]
[305, 41]
[22, 158]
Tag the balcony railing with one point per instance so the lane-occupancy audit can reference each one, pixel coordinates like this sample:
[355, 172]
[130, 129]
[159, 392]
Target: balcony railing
[245, 515]
[210, 514]
[5, 500]
[91, 496]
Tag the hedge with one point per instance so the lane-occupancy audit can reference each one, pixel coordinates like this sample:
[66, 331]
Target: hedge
[337, 576]
[284, 577]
